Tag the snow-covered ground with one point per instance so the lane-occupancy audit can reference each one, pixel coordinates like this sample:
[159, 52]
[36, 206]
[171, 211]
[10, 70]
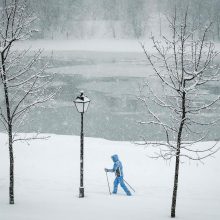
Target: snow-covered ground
[47, 181]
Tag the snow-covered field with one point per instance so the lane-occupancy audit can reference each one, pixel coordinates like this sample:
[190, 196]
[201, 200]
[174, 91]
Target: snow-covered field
[47, 181]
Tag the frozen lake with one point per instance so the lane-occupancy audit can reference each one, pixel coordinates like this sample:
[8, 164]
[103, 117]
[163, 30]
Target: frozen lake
[111, 80]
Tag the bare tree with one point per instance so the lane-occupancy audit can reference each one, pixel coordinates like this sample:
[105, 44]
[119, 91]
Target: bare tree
[23, 79]
[184, 66]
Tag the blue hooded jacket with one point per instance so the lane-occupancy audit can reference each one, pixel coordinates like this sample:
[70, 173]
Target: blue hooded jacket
[118, 170]
[117, 167]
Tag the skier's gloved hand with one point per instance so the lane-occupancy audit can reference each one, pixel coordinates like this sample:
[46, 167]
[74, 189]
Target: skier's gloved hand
[106, 170]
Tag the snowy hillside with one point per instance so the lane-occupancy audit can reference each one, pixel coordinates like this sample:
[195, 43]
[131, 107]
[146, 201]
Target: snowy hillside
[47, 181]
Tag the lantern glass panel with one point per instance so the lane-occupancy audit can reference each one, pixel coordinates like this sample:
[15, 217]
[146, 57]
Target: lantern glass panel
[79, 106]
[86, 105]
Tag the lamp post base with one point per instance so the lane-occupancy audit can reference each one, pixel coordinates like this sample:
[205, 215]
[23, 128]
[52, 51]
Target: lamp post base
[81, 192]
[11, 196]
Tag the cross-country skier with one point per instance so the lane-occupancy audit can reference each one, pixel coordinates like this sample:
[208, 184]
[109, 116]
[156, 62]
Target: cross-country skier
[118, 170]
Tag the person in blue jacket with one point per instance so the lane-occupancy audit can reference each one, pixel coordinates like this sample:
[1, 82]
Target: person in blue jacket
[118, 170]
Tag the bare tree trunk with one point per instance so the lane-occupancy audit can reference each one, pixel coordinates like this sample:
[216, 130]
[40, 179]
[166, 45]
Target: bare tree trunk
[175, 187]
[11, 187]
[176, 176]
[10, 141]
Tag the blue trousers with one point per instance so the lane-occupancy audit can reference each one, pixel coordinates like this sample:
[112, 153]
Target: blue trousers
[122, 184]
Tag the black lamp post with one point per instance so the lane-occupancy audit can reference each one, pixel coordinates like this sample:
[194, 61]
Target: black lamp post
[82, 104]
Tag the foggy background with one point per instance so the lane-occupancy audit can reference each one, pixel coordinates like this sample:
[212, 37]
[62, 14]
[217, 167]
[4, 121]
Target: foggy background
[79, 19]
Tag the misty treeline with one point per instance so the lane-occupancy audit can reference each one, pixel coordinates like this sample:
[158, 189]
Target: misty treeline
[69, 19]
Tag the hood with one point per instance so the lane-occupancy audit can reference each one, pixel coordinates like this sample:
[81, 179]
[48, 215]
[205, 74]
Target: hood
[115, 157]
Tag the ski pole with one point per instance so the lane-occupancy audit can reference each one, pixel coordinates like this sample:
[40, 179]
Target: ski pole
[108, 183]
[129, 185]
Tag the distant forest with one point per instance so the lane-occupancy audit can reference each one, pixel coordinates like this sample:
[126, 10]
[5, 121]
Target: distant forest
[70, 19]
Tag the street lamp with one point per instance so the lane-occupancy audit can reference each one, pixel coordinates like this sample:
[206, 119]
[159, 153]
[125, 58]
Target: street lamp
[82, 104]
